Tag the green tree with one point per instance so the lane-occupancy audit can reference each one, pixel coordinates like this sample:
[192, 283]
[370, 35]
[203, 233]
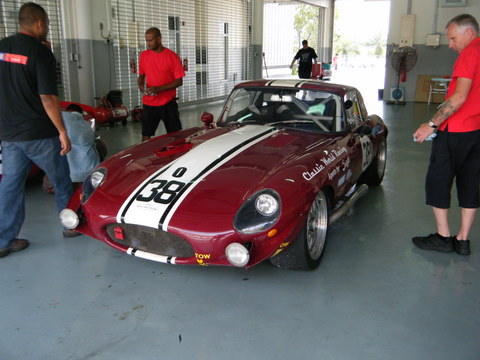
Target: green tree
[378, 43]
[306, 25]
[345, 47]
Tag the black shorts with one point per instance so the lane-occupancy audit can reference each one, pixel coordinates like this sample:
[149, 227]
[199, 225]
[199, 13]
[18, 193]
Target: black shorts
[151, 116]
[304, 72]
[454, 156]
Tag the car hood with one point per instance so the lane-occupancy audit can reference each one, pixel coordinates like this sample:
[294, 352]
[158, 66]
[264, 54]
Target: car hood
[197, 179]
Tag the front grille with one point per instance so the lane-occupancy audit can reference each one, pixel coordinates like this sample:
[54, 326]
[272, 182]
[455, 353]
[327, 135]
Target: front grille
[150, 240]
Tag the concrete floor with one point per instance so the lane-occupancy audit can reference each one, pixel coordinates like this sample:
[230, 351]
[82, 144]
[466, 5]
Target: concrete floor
[375, 296]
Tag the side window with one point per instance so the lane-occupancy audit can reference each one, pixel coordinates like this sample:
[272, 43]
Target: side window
[353, 110]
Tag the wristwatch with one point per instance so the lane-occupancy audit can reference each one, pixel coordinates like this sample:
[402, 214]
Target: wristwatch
[432, 124]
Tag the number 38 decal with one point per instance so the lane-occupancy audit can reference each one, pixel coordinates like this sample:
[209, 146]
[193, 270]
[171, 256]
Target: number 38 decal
[367, 151]
[163, 191]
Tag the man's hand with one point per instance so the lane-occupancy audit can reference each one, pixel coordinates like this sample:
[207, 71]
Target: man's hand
[65, 143]
[423, 132]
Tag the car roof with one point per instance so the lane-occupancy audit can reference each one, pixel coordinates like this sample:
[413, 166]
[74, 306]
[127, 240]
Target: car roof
[338, 89]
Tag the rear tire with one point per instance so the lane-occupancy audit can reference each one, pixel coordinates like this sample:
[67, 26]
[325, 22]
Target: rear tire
[306, 251]
[373, 175]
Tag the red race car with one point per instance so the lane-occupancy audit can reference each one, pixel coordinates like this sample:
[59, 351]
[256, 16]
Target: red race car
[284, 160]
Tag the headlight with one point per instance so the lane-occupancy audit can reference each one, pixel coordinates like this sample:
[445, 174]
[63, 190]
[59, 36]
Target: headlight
[266, 204]
[69, 218]
[93, 181]
[259, 213]
[96, 178]
[237, 254]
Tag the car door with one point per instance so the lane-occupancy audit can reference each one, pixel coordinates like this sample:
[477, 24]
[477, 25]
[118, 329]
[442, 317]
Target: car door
[359, 145]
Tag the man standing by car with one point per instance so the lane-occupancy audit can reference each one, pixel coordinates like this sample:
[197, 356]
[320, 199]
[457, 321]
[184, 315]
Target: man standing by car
[160, 74]
[31, 126]
[305, 56]
[456, 148]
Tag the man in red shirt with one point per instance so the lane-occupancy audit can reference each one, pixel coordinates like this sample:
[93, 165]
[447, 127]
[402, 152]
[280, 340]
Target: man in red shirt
[160, 73]
[456, 148]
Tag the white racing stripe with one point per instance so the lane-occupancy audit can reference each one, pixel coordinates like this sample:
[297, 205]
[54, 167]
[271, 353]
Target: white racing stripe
[286, 83]
[154, 202]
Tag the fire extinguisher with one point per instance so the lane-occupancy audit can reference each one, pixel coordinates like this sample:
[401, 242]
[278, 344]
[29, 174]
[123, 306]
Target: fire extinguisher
[133, 66]
[185, 64]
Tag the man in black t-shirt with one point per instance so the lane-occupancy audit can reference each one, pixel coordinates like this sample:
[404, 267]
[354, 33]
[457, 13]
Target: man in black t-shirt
[305, 56]
[31, 125]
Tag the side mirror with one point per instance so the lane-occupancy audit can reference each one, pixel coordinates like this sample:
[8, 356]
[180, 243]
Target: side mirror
[207, 119]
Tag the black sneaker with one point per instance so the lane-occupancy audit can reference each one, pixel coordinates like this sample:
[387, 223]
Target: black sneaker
[462, 247]
[434, 242]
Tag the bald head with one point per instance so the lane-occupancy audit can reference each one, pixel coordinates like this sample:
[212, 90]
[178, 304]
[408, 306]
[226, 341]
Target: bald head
[30, 13]
[154, 31]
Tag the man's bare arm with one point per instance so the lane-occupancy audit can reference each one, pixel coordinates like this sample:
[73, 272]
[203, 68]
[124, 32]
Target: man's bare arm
[52, 107]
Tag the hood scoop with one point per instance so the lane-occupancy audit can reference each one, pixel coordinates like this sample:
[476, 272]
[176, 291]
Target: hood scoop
[174, 149]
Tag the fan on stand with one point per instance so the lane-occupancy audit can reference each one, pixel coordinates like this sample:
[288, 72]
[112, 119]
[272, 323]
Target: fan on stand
[403, 60]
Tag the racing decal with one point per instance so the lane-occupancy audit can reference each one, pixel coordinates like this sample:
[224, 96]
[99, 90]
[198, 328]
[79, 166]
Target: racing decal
[324, 162]
[280, 249]
[201, 258]
[367, 151]
[342, 167]
[285, 83]
[154, 202]
[377, 130]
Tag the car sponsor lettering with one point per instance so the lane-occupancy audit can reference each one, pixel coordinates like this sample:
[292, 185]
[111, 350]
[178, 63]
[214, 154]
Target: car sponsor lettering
[201, 258]
[327, 160]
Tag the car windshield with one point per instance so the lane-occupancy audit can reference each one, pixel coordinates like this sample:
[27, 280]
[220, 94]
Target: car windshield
[298, 108]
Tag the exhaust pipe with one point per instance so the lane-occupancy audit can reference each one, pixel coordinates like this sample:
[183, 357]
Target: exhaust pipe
[352, 199]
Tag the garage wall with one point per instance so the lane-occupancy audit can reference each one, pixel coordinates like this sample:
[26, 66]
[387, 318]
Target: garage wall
[430, 60]
[213, 36]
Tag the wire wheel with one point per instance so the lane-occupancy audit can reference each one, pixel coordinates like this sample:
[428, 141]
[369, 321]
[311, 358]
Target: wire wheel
[317, 226]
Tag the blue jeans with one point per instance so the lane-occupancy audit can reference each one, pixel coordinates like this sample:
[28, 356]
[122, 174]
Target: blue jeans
[17, 158]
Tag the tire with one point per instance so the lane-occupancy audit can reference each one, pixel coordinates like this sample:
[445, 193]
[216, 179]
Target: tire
[101, 149]
[124, 122]
[306, 251]
[376, 170]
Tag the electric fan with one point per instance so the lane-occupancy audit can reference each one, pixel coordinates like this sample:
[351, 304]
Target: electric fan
[403, 60]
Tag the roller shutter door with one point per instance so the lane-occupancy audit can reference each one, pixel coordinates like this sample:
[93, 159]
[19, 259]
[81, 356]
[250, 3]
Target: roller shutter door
[213, 37]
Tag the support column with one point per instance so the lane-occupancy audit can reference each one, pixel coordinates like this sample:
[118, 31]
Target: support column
[257, 38]
[78, 33]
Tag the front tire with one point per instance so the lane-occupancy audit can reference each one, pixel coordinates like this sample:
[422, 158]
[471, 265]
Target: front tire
[306, 251]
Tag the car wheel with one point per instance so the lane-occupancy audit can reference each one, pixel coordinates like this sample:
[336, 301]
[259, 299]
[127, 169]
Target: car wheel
[124, 122]
[101, 149]
[306, 251]
[375, 172]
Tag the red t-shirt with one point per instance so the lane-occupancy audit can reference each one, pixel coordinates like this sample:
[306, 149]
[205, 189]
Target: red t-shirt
[160, 69]
[467, 117]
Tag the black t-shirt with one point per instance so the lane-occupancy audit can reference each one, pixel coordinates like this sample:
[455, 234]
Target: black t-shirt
[305, 56]
[27, 69]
